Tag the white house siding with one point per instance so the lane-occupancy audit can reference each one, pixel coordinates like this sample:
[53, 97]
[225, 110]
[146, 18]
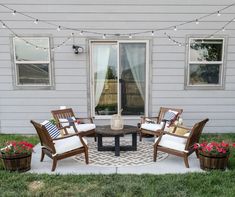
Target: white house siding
[17, 107]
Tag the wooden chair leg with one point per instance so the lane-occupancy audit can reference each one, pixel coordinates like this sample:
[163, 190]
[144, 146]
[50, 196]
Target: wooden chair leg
[186, 161]
[42, 155]
[54, 164]
[140, 136]
[86, 156]
[154, 154]
[197, 154]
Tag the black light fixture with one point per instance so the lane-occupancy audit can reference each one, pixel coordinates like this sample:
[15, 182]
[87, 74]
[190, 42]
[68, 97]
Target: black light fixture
[77, 49]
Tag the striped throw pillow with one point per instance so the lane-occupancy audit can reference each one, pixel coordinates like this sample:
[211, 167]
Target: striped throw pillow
[52, 129]
[170, 115]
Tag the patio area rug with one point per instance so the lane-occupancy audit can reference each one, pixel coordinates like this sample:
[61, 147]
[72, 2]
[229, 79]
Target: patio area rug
[143, 155]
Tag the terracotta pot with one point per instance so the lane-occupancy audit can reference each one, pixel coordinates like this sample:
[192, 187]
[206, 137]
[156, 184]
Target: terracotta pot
[213, 162]
[20, 162]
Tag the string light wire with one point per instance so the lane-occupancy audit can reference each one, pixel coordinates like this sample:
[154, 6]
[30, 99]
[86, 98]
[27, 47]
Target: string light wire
[130, 34]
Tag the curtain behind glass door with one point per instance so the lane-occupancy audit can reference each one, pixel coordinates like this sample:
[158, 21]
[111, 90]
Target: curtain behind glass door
[132, 77]
[104, 62]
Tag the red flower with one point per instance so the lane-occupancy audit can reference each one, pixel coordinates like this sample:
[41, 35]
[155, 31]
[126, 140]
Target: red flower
[14, 147]
[213, 147]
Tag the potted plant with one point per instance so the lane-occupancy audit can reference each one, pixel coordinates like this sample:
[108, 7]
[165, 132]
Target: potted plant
[16, 156]
[213, 155]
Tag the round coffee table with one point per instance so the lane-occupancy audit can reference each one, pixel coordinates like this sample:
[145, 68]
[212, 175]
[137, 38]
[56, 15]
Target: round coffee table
[106, 131]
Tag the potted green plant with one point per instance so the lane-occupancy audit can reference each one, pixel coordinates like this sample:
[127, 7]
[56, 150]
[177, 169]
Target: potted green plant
[16, 156]
[213, 155]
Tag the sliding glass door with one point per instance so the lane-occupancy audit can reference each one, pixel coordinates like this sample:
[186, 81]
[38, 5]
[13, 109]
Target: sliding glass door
[119, 77]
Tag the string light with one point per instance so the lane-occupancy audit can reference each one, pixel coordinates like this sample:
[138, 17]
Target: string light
[119, 34]
[104, 36]
[58, 28]
[35, 21]
[81, 33]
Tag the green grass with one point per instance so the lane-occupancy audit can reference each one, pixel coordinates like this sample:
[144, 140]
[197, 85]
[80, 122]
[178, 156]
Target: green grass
[216, 183]
[192, 184]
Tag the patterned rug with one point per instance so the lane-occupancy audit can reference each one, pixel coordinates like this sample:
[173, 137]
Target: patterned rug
[143, 155]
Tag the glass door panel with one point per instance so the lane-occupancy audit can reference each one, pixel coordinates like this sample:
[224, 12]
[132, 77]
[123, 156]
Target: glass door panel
[132, 60]
[104, 64]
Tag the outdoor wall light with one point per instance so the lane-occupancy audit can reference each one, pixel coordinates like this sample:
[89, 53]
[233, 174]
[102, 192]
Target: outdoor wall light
[77, 49]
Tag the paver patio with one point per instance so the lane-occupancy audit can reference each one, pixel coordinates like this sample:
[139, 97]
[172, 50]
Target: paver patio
[171, 164]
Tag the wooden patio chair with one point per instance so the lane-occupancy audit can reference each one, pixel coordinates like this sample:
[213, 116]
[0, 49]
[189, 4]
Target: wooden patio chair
[153, 125]
[66, 117]
[179, 145]
[59, 147]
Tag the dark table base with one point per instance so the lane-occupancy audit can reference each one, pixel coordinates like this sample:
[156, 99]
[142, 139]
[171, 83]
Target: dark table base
[117, 148]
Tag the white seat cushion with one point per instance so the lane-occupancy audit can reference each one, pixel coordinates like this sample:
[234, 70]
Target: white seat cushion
[79, 127]
[68, 144]
[151, 127]
[173, 142]
[85, 127]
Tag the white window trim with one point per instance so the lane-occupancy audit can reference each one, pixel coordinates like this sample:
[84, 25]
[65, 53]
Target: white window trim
[222, 62]
[49, 62]
[147, 97]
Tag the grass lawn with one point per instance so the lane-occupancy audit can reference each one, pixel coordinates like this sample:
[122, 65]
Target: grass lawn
[215, 183]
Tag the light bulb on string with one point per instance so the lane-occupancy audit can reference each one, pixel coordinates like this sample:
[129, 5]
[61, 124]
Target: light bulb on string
[223, 29]
[37, 47]
[35, 21]
[175, 28]
[14, 13]
[104, 36]
[81, 33]
[130, 36]
[3, 25]
[152, 33]
[197, 22]
[58, 28]
[218, 13]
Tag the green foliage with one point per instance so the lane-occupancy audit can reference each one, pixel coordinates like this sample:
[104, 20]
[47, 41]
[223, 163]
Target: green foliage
[33, 139]
[216, 183]
[191, 184]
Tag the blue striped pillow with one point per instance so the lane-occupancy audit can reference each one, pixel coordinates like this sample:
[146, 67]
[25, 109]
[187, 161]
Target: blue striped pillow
[170, 115]
[52, 129]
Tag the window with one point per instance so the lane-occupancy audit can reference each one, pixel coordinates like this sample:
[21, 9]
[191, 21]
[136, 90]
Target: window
[205, 63]
[119, 73]
[32, 65]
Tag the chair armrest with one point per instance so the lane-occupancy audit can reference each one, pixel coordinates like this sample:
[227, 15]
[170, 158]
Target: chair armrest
[86, 118]
[143, 118]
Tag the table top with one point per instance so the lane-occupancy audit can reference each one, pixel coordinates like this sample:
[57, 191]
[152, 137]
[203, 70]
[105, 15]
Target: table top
[106, 130]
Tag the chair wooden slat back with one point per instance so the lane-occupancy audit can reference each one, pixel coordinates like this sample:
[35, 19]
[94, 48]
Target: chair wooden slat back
[163, 110]
[62, 114]
[45, 138]
[195, 133]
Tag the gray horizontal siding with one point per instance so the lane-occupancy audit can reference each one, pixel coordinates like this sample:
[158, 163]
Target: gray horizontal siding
[17, 107]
